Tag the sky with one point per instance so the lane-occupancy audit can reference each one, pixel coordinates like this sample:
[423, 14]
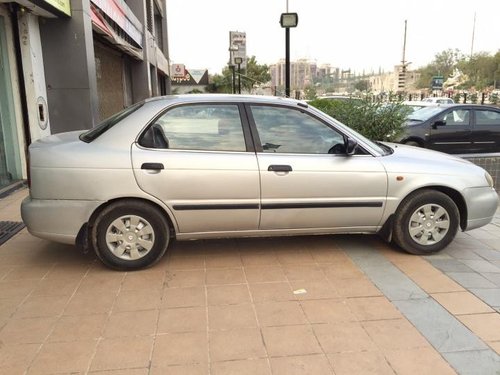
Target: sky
[350, 34]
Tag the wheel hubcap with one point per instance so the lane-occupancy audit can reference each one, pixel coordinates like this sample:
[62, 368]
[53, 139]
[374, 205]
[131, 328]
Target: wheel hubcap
[429, 224]
[130, 237]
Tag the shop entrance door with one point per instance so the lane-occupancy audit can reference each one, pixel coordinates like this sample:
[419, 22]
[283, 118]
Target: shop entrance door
[10, 163]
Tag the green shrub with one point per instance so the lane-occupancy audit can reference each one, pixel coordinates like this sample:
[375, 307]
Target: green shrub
[375, 120]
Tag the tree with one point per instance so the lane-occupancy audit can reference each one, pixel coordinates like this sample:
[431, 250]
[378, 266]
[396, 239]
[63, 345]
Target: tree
[221, 83]
[443, 64]
[362, 85]
[253, 74]
[310, 92]
[373, 119]
[481, 69]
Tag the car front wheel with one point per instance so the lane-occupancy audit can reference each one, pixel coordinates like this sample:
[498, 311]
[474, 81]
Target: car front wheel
[130, 235]
[426, 222]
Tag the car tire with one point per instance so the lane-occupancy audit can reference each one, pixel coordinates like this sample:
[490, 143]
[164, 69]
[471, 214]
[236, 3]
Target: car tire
[425, 222]
[413, 143]
[130, 235]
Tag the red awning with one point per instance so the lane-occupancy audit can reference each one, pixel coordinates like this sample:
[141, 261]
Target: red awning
[97, 24]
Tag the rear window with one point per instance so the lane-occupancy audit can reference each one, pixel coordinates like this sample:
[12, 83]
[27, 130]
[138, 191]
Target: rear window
[107, 124]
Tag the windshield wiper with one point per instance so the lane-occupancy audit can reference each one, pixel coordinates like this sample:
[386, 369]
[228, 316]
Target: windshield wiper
[415, 119]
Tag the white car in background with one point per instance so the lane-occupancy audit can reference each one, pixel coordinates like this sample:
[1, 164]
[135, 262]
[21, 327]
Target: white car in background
[439, 99]
[415, 105]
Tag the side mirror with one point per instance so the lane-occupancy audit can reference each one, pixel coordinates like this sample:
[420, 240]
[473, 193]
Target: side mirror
[438, 123]
[351, 146]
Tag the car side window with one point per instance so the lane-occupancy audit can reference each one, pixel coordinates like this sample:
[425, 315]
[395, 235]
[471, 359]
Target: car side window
[285, 130]
[208, 127]
[487, 117]
[457, 117]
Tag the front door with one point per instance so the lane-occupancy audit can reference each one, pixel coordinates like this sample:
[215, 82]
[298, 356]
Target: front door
[199, 164]
[307, 180]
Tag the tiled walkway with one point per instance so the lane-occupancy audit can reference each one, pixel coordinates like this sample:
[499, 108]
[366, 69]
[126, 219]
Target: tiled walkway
[302, 305]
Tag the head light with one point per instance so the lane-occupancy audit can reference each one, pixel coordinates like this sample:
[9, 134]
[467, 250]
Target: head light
[489, 179]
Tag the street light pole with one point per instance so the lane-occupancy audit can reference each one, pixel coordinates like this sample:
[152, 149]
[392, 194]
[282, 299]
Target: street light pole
[239, 78]
[287, 62]
[232, 49]
[238, 61]
[234, 79]
[288, 20]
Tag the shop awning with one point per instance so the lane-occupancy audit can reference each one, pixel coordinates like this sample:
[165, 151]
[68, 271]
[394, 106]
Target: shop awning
[101, 26]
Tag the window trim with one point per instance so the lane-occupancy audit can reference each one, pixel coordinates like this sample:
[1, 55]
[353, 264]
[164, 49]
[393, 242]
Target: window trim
[249, 146]
[476, 110]
[257, 140]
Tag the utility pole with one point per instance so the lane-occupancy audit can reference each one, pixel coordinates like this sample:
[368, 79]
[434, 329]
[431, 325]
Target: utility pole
[473, 32]
[404, 64]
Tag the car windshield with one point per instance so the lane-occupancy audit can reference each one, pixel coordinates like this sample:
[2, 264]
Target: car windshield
[107, 124]
[425, 113]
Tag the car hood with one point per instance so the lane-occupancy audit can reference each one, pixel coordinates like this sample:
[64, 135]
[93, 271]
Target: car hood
[423, 154]
[419, 160]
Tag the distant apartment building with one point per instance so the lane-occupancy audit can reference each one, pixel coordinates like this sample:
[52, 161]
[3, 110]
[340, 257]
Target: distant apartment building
[302, 74]
[395, 81]
[326, 71]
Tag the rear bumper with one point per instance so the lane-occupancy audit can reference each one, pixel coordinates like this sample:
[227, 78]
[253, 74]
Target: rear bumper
[56, 220]
[482, 204]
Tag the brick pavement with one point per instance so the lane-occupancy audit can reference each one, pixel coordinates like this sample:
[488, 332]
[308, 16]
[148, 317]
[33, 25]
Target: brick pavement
[301, 305]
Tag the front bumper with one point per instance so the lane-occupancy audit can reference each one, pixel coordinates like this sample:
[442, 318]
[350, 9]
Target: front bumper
[56, 220]
[482, 204]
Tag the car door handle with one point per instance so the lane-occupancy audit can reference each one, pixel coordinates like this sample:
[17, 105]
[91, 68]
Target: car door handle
[153, 166]
[279, 168]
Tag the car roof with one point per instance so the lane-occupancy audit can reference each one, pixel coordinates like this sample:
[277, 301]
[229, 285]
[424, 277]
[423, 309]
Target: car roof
[193, 98]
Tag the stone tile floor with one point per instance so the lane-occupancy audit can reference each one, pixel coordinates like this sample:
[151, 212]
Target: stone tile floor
[301, 305]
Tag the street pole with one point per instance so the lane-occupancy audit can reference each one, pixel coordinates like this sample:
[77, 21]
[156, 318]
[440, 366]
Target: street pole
[288, 20]
[287, 62]
[239, 78]
[234, 79]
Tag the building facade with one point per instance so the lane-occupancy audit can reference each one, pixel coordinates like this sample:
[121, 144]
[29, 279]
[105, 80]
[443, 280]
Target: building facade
[302, 74]
[399, 80]
[67, 65]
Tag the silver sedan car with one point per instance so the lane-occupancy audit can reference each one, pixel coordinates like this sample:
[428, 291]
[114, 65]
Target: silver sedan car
[206, 166]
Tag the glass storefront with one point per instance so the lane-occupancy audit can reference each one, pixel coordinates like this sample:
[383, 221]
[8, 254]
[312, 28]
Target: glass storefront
[10, 162]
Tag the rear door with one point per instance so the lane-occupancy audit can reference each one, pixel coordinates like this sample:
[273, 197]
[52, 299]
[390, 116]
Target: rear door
[486, 130]
[451, 131]
[199, 162]
[307, 180]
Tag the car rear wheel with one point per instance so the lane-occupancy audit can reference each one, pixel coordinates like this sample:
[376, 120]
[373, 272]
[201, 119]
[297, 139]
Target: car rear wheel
[130, 235]
[426, 222]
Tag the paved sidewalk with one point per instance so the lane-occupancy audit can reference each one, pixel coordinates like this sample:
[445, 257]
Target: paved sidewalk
[301, 305]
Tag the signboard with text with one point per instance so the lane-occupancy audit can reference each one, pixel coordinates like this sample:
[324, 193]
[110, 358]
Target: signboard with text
[178, 70]
[238, 47]
[61, 5]
[437, 82]
[191, 77]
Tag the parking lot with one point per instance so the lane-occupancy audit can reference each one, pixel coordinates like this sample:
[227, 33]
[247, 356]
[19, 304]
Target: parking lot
[295, 305]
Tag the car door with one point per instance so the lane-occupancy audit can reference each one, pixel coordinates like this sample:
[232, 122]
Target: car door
[451, 131]
[197, 159]
[307, 180]
[486, 130]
